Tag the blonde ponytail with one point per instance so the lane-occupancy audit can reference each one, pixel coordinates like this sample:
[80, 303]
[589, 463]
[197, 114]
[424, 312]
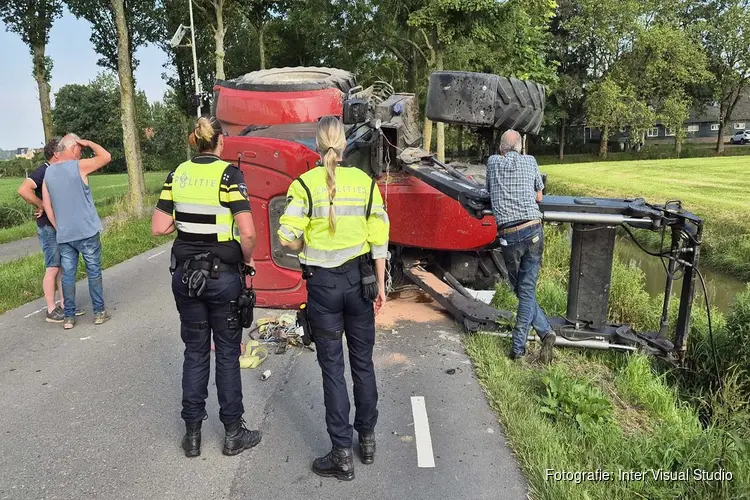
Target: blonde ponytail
[329, 161]
[331, 143]
[206, 134]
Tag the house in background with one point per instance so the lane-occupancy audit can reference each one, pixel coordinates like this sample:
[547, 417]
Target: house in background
[702, 127]
[27, 153]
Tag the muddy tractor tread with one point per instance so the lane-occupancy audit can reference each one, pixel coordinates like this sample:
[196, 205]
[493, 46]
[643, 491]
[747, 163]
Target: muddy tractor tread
[485, 100]
[294, 79]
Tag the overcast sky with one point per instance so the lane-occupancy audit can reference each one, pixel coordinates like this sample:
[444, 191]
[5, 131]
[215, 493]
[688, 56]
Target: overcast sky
[74, 62]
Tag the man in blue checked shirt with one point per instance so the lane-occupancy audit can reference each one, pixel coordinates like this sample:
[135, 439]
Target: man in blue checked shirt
[515, 187]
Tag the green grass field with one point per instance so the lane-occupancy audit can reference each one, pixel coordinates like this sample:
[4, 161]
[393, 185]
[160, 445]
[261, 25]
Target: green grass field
[107, 189]
[714, 188]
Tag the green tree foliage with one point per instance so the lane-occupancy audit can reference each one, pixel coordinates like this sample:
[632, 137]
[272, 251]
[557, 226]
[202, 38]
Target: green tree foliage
[142, 19]
[166, 144]
[93, 112]
[119, 27]
[606, 109]
[32, 21]
[725, 31]
[673, 112]
[260, 13]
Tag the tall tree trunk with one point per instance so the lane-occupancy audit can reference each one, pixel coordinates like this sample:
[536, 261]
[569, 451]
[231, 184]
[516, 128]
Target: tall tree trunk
[440, 125]
[677, 145]
[219, 33]
[561, 138]
[720, 139]
[131, 142]
[40, 75]
[603, 142]
[262, 46]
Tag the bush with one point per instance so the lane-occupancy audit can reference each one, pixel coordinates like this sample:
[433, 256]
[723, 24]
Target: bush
[15, 212]
[574, 400]
[17, 167]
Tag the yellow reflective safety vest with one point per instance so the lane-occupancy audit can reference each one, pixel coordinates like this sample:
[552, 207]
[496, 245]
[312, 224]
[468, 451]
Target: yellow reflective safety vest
[197, 195]
[307, 210]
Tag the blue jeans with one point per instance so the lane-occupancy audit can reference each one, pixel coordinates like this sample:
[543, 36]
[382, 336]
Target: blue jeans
[91, 251]
[48, 241]
[523, 260]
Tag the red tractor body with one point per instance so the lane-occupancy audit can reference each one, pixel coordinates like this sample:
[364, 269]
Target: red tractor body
[240, 108]
[421, 216]
[271, 118]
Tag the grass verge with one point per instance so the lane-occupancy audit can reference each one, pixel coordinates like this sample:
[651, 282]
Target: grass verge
[21, 280]
[609, 411]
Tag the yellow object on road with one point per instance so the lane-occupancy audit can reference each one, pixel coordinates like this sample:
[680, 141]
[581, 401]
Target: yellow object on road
[254, 355]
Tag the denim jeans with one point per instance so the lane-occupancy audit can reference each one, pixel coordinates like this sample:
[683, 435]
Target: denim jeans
[48, 241]
[91, 251]
[200, 317]
[523, 260]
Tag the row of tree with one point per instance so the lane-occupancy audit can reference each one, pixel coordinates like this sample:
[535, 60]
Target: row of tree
[608, 64]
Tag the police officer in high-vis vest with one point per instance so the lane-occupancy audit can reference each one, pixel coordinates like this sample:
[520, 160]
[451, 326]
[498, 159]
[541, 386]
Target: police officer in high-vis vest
[206, 201]
[335, 216]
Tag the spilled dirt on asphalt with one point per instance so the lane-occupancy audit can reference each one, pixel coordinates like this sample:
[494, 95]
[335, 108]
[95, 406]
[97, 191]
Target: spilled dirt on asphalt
[410, 305]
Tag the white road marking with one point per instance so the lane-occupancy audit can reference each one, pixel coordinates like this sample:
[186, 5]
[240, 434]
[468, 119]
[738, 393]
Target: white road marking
[155, 255]
[85, 338]
[425, 457]
[35, 312]
[39, 310]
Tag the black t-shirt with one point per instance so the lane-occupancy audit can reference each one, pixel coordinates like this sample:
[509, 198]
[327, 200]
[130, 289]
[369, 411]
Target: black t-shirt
[38, 177]
[230, 252]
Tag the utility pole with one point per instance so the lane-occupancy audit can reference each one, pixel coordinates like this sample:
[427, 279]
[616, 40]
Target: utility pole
[195, 61]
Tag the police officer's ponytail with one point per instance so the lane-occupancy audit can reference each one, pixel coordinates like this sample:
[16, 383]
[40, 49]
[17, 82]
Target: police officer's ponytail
[331, 143]
[205, 137]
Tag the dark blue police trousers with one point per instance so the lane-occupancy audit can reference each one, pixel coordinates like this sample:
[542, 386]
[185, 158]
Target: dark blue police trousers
[199, 316]
[336, 307]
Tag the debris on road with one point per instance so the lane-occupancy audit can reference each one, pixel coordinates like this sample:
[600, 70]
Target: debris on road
[254, 355]
[265, 375]
[282, 331]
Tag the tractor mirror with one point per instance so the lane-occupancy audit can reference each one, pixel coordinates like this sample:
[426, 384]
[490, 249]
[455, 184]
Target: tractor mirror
[355, 111]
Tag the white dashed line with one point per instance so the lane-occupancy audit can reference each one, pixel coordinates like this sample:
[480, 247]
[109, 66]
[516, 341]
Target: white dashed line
[425, 457]
[155, 255]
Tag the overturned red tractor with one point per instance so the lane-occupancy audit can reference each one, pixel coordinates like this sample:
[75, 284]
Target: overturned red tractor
[443, 237]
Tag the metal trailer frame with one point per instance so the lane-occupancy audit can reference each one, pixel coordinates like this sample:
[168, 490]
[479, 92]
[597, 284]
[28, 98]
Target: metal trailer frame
[594, 223]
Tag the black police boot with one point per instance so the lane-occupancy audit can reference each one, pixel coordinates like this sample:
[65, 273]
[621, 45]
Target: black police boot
[238, 438]
[339, 463]
[191, 443]
[367, 446]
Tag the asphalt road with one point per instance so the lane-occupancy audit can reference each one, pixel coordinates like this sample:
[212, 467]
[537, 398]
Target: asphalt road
[94, 412]
[19, 248]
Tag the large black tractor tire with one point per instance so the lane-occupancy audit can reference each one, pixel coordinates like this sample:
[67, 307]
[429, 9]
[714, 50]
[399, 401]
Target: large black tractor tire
[485, 100]
[293, 80]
